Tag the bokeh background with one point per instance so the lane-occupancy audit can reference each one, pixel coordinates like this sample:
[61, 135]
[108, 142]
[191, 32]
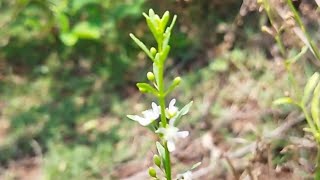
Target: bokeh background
[68, 70]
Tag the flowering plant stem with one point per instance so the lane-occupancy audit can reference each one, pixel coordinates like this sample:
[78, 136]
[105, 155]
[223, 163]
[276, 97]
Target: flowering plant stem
[170, 116]
[162, 103]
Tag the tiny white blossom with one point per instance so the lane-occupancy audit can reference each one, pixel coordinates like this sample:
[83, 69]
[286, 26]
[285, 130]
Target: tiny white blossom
[185, 176]
[172, 110]
[148, 115]
[171, 134]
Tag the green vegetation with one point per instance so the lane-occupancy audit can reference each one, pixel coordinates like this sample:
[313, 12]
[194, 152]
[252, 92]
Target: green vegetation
[68, 71]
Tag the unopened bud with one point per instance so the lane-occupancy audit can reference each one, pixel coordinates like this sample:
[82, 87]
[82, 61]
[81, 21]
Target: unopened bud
[153, 51]
[157, 160]
[152, 172]
[165, 18]
[150, 76]
[177, 81]
[143, 90]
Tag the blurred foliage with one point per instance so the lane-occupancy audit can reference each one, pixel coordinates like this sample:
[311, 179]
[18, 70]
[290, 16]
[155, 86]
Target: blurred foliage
[67, 67]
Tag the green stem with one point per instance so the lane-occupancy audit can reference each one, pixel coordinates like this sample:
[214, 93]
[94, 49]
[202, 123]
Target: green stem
[162, 98]
[168, 162]
[309, 120]
[162, 103]
[300, 23]
[280, 44]
[167, 165]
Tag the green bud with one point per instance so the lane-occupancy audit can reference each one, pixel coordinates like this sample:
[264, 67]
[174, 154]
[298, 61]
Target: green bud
[157, 160]
[177, 81]
[153, 51]
[150, 76]
[152, 172]
[165, 19]
[151, 12]
[143, 90]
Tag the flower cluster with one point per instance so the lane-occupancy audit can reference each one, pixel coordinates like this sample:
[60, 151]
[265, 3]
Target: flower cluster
[170, 133]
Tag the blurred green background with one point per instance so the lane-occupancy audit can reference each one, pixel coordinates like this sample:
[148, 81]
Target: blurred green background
[68, 71]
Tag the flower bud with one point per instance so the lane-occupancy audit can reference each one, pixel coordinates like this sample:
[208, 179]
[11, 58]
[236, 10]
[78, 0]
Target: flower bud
[152, 172]
[157, 160]
[153, 51]
[143, 90]
[150, 76]
[165, 18]
[177, 81]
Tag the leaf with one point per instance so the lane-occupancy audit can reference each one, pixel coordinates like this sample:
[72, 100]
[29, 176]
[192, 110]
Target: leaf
[164, 20]
[298, 56]
[85, 30]
[156, 72]
[315, 113]
[141, 45]
[164, 54]
[312, 82]
[303, 37]
[144, 87]
[152, 27]
[161, 152]
[69, 39]
[63, 22]
[181, 113]
[282, 101]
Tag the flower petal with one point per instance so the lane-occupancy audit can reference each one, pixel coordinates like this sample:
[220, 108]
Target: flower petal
[172, 102]
[161, 131]
[182, 134]
[140, 120]
[155, 108]
[171, 146]
[134, 117]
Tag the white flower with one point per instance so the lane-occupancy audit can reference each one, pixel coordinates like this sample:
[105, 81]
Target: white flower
[148, 115]
[172, 110]
[185, 176]
[171, 134]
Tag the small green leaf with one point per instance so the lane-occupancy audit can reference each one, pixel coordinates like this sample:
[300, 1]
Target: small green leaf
[315, 111]
[142, 46]
[164, 20]
[156, 72]
[181, 113]
[85, 30]
[282, 101]
[166, 39]
[312, 82]
[298, 56]
[147, 88]
[164, 54]
[63, 22]
[173, 22]
[152, 26]
[69, 39]
[161, 152]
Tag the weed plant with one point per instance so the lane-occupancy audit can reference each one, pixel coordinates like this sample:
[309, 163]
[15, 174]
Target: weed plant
[161, 119]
